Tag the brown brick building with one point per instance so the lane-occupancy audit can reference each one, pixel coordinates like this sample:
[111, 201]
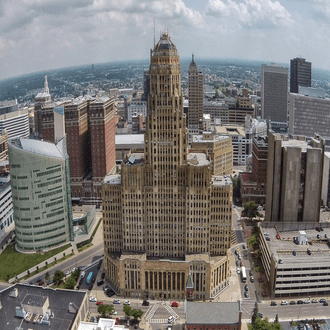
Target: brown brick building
[90, 130]
[253, 184]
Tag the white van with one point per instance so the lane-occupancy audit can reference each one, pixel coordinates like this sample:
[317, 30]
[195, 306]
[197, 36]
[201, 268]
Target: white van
[82, 274]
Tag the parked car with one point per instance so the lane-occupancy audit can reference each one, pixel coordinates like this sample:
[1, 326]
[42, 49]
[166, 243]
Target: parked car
[307, 301]
[103, 276]
[299, 302]
[116, 301]
[246, 287]
[236, 252]
[314, 301]
[283, 302]
[100, 282]
[110, 293]
[237, 263]
[90, 287]
[273, 303]
[92, 299]
[175, 304]
[292, 302]
[82, 274]
[243, 246]
[238, 271]
[127, 302]
[322, 300]
[260, 315]
[251, 279]
[309, 252]
[41, 282]
[267, 238]
[145, 303]
[80, 281]
[99, 303]
[246, 294]
[294, 252]
[250, 272]
[325, 304]
[114, 313]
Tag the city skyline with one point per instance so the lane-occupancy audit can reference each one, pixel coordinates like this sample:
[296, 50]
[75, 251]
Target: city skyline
[40, 36]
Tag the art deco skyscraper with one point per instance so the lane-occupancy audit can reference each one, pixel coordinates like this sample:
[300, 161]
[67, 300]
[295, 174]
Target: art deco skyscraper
[166, 216]
[195, 97]
[300, 74]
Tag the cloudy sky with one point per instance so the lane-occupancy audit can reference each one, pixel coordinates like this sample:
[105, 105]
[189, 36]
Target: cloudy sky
[37, 35]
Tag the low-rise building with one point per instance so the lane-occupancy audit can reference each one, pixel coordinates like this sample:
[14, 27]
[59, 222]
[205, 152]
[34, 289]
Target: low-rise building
[296, 258]
[216, 315]
[34, 308]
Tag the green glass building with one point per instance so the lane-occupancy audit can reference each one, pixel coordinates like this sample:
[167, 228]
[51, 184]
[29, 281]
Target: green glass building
[40, 181]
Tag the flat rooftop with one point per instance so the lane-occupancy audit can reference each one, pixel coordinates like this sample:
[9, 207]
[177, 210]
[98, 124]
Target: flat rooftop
[212, 313]
[59, 301]
[283, 248]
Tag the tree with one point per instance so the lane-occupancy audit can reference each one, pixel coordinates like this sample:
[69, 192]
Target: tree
[250, 210]
[263, 324]
[127, 310]
[216, 94]
[76, 274]
[255, 313]
[58, 276]
[137, 313]
[110, 309]
[102, 309]
[70, 283]
[47, 276]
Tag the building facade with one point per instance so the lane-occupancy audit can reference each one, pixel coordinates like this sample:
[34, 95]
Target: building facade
[274, 93]
[90, 129]
[294, 179]
[300, 74]
[195, 97]
[16, 123]
[218, 148]
[166, 216]
[136, 107]
[40, 182]
[297, 268]
[6, 205]
[309, 114]
[241, 108]
[253, 184]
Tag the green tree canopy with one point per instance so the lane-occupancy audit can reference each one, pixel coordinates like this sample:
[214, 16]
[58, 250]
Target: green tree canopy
[264, 324]
[127, 310]
[47, 276]
[76, 273]
[255, 312]
[102, 309]
[110, 309]
[216, 93]
[250, 210]
[137, 313]
[70, 283]
[58, 276]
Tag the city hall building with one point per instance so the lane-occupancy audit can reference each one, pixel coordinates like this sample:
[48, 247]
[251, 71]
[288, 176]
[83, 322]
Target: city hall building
[165, 216]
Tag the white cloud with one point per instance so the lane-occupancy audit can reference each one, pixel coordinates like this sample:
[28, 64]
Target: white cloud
[250, 13]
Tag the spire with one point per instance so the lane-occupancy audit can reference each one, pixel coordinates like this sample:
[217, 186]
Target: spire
[46, 89]
[193, 65]
[192, 58]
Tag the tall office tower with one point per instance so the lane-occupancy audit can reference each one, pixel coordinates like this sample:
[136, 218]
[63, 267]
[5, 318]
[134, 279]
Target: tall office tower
[300, 74]
[309, 112]
[166, 216]
[195, 97]
[90, 130]
[79, 144]
[40, 182]
[102, 134]
[294, 179]
[274, 93]
[41, 100]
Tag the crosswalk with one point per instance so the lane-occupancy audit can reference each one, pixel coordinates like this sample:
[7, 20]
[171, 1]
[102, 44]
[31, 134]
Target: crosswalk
[151, 312]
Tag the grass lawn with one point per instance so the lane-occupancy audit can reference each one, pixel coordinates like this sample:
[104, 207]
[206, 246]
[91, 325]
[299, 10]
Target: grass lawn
[13, 263]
